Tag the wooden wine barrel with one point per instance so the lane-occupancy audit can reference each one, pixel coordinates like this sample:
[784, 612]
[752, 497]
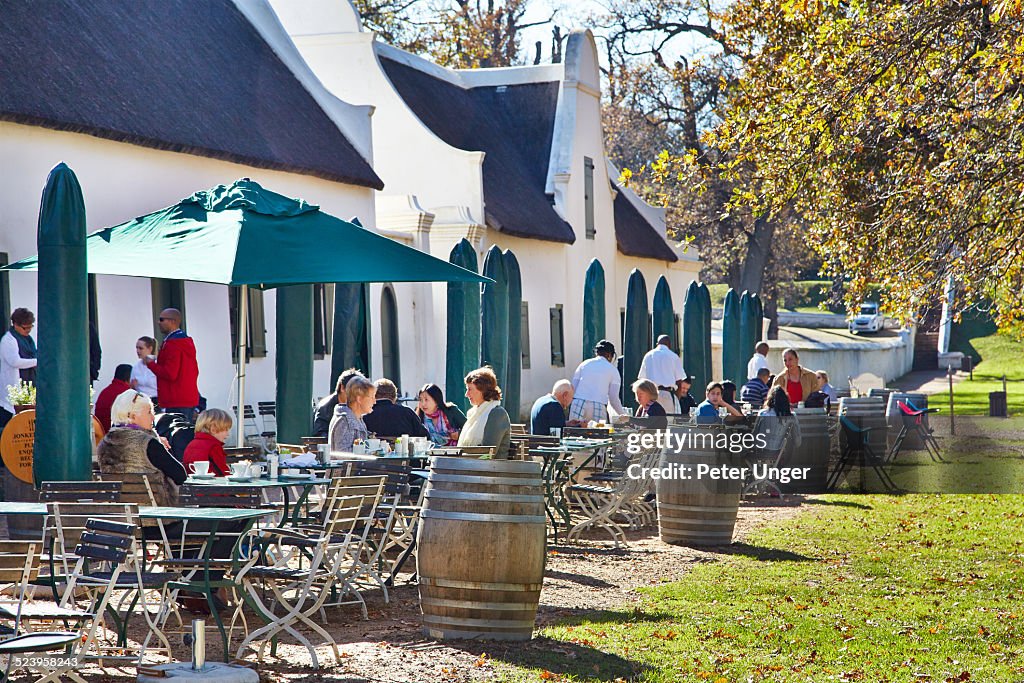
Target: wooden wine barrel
[813, 451]
[481, 548]
[692, 511]
[868, 411]
[894, 416]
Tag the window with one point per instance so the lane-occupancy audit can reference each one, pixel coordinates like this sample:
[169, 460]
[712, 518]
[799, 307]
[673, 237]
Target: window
[323, 319]
[557, 337]
[524, 335]
[389, 337]
[588, 196]
[167, 294]
[5, 290]
[256, 335]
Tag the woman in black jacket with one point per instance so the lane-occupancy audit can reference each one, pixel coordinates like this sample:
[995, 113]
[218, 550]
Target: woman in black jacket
[443, 420]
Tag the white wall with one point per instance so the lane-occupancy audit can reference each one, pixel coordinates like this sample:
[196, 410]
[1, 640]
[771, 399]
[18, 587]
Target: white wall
[120, 181]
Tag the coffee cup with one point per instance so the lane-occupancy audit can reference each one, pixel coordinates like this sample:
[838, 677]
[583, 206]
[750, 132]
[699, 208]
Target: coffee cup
[256, 470]
[240, 469]
[201, 468]
[373, 444]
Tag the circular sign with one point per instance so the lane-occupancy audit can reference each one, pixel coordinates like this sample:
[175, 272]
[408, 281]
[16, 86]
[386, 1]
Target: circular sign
[16, 445]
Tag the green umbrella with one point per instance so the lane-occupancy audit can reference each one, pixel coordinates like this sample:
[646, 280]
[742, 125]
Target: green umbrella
[693, 337]
[733, 366]
[64, 448]
[494, 315]
[746, 328]
[242, 234]
[705, 308]
[635, 340]
[463, 326]
[664, 318]
[593, 308]
[350, 345]
[514, 373]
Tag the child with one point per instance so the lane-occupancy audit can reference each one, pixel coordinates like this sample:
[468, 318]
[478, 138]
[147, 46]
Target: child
[212, 429]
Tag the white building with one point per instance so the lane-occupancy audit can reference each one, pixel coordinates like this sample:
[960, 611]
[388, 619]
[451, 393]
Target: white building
[509, 156]
[149, 103]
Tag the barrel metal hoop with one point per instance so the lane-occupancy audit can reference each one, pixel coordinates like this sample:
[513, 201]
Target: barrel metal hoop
[471, 604]
[696, 508]
[478, 517]
[483, 497]
[478, 585]
[486, 623]
[496, 481]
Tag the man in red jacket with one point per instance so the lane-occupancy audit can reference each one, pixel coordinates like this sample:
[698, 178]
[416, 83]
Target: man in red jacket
[122, 375]
[176, 368]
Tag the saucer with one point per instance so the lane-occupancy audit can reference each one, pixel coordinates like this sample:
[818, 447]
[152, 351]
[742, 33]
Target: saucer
[232, 477]
[203, 476]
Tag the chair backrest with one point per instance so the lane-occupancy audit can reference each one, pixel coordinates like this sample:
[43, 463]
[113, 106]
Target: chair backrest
[265, 408]
[135, 488]
[535, 440]
[905, 409]
[518, 428]
[313, 440]
[239, 453]
[477, 451]
[854, 434]
[80, 491]
[67, 522]
[396, 475]
[250, 414]
[106, 540]
[18, 561]
[220, 496]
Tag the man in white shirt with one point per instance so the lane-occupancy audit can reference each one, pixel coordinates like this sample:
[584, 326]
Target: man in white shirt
[758, 360]
[596, 384]
[664, 367]
[17, 353]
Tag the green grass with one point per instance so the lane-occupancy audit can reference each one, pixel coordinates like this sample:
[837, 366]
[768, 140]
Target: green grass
[1000, 355]
[868, 588]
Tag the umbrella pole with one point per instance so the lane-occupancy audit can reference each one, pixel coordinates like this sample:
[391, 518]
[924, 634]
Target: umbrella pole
[243, 338]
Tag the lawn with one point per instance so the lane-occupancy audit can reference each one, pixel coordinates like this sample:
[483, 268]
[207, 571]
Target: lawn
[858, 588]
[1000, 354]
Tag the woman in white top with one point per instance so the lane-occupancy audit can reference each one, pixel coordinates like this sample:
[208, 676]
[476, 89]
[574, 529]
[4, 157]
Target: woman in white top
[143, 379]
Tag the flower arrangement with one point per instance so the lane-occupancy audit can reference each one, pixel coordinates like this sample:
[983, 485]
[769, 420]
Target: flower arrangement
[22, 394]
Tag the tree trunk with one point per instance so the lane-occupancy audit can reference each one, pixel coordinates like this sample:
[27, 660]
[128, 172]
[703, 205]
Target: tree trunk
[759, 250]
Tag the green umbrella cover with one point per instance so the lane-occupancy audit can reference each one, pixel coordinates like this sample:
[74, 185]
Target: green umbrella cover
[733, 365]
[514, 374]
[705, 307]
[635, 341]
[693, 338]
[664, 317]
[463, 332]
[494, 315]
[593, 308]
[63, 440]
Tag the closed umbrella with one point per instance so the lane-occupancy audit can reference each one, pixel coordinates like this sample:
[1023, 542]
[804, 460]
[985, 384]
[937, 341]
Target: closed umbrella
[463, 326]
[593, 308]
[242, 234]
[514, 373]
[494, 315]
[636, 336]
[733, 366]
[663, 317]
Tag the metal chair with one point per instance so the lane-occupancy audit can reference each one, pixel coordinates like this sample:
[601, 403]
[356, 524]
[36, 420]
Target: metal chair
[267, 411]
[858, 450]
[769, 456]
[914, 421]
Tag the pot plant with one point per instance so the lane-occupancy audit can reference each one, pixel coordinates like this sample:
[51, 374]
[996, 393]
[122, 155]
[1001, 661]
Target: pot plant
[22, 396]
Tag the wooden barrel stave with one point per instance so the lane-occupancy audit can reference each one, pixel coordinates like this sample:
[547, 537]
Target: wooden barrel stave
[813, 451]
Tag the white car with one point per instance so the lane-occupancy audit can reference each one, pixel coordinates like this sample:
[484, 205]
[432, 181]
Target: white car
[870, 319]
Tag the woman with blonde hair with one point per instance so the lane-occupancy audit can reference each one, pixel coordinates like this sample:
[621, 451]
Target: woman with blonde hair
[347, 424]
[212, 429]
[487, 423]
[132, 447]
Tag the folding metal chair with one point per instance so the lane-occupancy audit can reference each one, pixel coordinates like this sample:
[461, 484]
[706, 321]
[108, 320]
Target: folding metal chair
[858, 450]
[914, 421]
[771, 455]
[268, 416]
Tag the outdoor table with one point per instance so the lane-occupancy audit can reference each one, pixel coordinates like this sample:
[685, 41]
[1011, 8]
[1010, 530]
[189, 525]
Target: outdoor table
[283, 483]
[556, 473]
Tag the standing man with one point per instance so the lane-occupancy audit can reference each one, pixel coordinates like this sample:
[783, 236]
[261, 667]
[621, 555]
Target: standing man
[17, 358]
[758, 360]
[549, 411]
[596, 384]
[176, 368]
[664, 367]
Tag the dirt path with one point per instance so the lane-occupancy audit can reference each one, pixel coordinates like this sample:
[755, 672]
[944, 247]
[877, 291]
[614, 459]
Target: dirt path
[580, 581]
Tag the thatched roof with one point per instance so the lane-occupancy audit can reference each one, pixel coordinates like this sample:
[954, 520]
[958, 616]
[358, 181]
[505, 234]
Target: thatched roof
[189, 76]
[513, 125]
[635, 236]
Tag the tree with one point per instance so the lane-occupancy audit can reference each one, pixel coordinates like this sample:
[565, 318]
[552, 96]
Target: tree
[893, 129]
[659, 104]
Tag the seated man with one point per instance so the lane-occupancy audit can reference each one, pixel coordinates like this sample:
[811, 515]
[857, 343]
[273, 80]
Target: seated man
[686, 402]
[549, 411]
[707, 412]
[390, 419]
[755, 391]
[119, 385]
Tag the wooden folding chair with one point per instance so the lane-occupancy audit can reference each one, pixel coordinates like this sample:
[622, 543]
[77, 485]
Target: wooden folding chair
[80, 491]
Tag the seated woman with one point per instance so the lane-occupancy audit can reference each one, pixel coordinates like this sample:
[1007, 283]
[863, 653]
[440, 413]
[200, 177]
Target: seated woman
[707, 411]
[650, 414]
[487, 423]
[347, 424]
[212, 429]
[132, 447]
[443, 420]
[776, 420]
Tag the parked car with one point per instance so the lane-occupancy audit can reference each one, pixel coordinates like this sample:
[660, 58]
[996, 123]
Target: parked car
[870, 319]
